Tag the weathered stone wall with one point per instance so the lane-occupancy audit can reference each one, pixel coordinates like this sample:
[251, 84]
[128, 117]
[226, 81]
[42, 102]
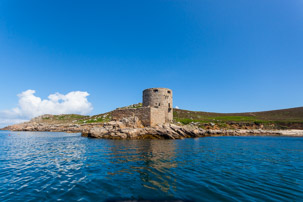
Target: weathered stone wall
[161, 98]
[157, 116]
[149, 116]
[143, 113]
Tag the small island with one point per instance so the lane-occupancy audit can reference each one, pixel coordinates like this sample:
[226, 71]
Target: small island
[155, 118]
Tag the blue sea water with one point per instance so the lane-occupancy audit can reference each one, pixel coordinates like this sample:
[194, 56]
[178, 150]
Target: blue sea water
[47, 166]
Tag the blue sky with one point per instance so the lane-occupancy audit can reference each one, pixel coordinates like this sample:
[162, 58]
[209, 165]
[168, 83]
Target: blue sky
[219, 56]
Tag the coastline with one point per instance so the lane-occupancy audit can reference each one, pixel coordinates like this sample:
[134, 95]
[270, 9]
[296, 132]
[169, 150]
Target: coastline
[184, 125]
[133, 129]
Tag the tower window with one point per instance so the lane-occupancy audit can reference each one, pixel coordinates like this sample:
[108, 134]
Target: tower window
[168, 92]
[156, 90]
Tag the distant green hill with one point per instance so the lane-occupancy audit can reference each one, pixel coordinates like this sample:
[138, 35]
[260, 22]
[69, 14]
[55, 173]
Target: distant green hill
[284, 118]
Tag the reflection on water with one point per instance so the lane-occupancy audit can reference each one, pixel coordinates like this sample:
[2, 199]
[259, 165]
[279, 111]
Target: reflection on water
[60, 166]
[156, 157]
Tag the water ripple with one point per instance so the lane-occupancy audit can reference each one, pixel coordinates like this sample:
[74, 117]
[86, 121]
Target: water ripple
[46, 166]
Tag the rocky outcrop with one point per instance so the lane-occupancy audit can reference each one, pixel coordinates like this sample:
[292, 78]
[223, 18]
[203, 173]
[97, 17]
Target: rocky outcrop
[116, 130]
[34, 126]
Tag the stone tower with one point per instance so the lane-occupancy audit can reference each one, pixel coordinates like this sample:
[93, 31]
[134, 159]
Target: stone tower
[160, 98]
[157, 108]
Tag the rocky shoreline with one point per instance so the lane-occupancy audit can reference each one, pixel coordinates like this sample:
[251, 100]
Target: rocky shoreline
[132, 128]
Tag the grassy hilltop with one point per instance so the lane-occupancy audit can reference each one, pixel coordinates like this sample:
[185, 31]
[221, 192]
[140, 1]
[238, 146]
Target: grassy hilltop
[277, 119]
[281, 119]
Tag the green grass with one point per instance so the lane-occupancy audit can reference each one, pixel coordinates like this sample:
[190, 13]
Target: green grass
[186, 121]
[235, 118]
[139, 105]
[65, 118]
[288, 118]
[69, 117]
[200, 118]
[96, 119]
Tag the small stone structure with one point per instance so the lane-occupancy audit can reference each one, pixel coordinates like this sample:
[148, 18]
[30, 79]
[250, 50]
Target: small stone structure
[157, 108]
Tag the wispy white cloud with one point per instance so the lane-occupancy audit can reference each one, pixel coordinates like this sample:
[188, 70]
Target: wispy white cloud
[30, 106]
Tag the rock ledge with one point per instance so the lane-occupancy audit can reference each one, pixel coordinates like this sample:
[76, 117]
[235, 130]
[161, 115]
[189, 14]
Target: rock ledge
[132, 128]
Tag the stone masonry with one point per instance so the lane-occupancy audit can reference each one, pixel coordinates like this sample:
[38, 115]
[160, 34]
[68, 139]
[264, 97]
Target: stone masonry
[156, 110]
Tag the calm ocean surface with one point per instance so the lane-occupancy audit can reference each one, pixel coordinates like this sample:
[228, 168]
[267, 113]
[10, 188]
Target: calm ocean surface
[45, 166]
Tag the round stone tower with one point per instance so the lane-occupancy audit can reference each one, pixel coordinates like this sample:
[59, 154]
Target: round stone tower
[161, 98]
